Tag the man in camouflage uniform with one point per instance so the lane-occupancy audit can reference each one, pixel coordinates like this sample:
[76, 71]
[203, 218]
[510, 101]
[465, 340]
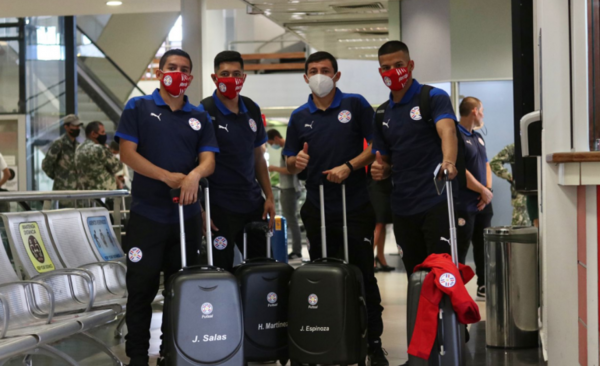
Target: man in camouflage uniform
[518, 201]
[96, 164]
[59, 163]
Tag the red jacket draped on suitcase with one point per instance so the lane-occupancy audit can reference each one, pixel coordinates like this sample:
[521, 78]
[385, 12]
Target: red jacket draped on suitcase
[443, 278]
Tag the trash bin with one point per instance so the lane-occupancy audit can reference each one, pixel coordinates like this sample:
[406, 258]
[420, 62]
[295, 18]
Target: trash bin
[512, 286]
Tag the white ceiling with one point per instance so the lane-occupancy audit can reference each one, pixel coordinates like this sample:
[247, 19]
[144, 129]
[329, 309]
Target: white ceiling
[28, 8]
[351, 29]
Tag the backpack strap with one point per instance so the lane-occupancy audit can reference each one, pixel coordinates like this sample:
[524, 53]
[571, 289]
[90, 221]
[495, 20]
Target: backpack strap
[253, 109]
[425, 108]
[379, 113]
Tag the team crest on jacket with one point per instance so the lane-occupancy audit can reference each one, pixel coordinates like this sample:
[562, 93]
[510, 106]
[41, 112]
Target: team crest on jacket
[135, 254]
[195, 124]
[222, 87]
[168, 80]
[447, 280]
[220, 242]
[481, 142]
[415, 114]
[313, 299]
[252, 125]
[344, 116]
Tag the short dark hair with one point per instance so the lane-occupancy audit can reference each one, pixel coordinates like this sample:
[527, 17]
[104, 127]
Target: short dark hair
[467, 105]
[272, 133]
[93, 127]
[174, 52]
[228, 56]
[393, 47]
[321, 56]
[114, 145]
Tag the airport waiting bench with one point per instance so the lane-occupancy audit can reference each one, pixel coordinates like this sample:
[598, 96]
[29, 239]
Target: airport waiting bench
[61, 295]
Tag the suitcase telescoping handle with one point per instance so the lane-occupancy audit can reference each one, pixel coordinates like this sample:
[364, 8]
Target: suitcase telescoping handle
[450, 198]
[175, 193]
[257, 226]
[323, 228]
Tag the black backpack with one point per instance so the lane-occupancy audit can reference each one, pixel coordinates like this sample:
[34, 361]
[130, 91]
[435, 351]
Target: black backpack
[254, 111]
[424, 106]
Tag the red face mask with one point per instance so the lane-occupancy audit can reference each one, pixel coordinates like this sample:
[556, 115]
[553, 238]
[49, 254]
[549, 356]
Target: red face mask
[396, 79]
[175, 83]
[230, 87]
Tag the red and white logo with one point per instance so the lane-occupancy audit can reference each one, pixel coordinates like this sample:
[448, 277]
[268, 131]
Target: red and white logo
[206, 308]
[222, 87]
[344, 116]
[272, 298]
[387, 81]
[220, 242]
[252, 125]
[415, 114]
[313, 299]
[447, 280]
[135, 254]
[168, 80]
[195, 124]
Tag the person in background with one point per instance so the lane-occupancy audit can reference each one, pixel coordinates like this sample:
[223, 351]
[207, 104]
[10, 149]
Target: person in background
[96, 164]
[123, 176]
[59, 162]
[520, 217]
[290, 194]
[477, 196]
[380, 194]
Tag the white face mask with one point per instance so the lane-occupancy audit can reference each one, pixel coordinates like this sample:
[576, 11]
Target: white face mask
[321, 85]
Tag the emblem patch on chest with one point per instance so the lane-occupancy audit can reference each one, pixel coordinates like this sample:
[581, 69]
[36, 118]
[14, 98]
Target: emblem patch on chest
[252, 125]
[344, 116]
[415, 114]
[195, 124]
[481, 141]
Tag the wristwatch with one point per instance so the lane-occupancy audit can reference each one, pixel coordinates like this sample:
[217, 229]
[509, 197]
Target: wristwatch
[349, 166]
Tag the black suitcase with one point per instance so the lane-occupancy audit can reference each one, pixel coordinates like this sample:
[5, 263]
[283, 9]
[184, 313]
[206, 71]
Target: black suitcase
[328, 312]
[264, 284]
[449, 346]
[203, 310]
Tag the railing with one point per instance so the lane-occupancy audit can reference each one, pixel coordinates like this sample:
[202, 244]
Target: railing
[52, 198]
[112, 62]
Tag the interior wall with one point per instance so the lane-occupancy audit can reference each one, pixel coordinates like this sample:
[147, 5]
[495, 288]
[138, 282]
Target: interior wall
[426, 31]
[481, 40]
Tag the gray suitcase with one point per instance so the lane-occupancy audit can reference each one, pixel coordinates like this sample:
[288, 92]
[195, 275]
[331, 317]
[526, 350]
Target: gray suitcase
[449, 346]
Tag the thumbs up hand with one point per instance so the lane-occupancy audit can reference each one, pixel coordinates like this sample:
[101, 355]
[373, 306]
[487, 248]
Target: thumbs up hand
[302, 158]
[380, 169]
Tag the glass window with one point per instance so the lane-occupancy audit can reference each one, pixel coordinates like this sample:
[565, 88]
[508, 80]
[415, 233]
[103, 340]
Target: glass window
[9, 77]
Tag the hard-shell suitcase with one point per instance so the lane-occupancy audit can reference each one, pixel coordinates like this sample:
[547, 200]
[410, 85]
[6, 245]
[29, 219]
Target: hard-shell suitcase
[203, 309]
[328, 312]
[280, 239]
[264, 284]
[449, 346]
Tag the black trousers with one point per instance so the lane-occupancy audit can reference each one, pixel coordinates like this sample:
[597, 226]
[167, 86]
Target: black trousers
[361, 225]
[422, 234]
[483, 220]
[464, 232]
[159, 250]
[231, 231]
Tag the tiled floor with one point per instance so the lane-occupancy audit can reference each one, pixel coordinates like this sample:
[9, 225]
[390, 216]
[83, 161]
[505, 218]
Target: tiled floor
[393, 290]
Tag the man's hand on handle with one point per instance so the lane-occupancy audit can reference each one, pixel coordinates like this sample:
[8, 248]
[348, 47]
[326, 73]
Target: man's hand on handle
[189, 189]
[338, 174]
[451, 168]
[173, 180]
[379, 169]
[302, 158]
[269, 208]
